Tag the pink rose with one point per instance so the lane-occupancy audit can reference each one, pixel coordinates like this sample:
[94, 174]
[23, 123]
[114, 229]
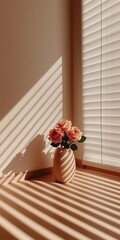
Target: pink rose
[55, 135]
[64, 124]
[74, 134]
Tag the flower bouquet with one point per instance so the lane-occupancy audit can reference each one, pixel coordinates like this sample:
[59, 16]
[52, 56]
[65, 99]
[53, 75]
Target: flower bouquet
[65, 135]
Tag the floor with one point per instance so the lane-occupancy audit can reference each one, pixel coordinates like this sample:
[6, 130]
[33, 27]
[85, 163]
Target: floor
[41, 209]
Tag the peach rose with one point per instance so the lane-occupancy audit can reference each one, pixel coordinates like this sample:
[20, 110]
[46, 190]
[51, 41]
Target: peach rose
[64, 124]
[55, 135]
[74, 134]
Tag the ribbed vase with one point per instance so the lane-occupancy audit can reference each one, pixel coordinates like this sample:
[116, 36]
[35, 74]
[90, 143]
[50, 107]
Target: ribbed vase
[64, 165]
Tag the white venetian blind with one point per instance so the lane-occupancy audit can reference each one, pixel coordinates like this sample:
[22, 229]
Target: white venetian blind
[101, 81]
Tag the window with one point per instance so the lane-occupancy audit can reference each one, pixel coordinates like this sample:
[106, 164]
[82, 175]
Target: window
[101, 82]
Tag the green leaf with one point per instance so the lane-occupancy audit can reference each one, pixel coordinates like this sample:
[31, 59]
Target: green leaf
[54, 144]
[66, 145]
[65, 138]
[83, 138]
[74, 147]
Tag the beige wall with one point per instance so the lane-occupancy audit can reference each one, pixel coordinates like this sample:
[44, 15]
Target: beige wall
[77, 70]
[35, 77]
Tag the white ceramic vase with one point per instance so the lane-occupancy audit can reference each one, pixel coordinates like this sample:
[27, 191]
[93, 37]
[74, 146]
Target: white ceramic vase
[64, 165]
